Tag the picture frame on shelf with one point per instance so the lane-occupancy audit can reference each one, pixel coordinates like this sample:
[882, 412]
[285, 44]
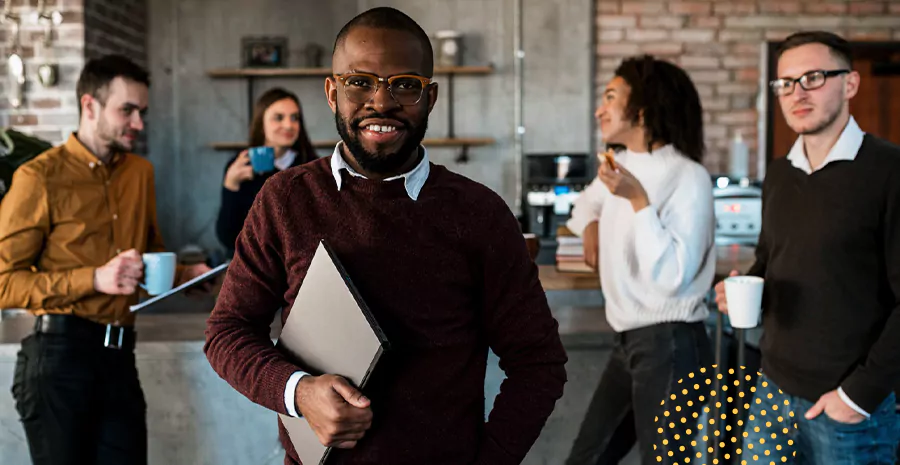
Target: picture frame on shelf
[264, 52]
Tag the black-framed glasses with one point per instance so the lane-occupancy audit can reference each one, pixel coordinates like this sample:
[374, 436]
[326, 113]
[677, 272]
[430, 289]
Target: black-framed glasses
[406, 89]
[809, 81]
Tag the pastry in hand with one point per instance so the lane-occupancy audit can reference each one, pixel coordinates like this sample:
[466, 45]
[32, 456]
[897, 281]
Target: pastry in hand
[609, 155]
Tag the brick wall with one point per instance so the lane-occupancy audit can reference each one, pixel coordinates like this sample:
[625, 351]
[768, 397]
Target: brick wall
[720, 43]
[90, 28]
[116, 26]
[50, 113]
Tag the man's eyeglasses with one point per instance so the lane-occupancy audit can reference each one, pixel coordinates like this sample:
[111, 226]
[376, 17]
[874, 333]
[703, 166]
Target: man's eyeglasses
[406, 89]
[809, 81]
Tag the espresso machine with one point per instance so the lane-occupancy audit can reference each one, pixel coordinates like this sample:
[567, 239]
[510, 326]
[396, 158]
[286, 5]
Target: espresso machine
[552, 182]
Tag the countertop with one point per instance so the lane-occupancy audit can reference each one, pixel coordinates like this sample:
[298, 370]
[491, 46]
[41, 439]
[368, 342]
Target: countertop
[183, 319]
[176, 319]
[728, 257]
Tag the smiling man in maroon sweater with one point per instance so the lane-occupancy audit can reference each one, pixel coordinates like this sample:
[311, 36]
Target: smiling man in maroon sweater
[439, 259]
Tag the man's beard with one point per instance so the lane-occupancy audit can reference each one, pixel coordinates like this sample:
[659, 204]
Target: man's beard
[109, 136]
[829, 120]
[817, 129]
[380, 163]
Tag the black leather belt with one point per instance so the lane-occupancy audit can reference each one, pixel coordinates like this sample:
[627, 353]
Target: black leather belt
[111, 336]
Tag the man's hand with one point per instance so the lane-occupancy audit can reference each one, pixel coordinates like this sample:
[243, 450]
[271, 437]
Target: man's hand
[590, 239]
[190, 272]
[835, 408]
[121, 275]
[721, 301]
[337, 412]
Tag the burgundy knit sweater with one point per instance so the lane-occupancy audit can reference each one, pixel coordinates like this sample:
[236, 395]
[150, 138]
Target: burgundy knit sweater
[446, 276]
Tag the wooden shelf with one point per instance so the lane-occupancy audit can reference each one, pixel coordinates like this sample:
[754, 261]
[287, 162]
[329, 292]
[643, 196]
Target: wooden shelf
[458, 142]
[322, 72]
[328, 144]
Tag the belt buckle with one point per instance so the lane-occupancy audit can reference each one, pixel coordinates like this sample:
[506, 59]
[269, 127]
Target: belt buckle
[112, 341]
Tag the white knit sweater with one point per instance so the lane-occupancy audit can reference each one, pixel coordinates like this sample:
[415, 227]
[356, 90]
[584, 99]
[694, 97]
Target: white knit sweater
[656, 265]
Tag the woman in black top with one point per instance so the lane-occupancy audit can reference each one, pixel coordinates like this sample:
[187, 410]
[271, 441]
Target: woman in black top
[278, 123]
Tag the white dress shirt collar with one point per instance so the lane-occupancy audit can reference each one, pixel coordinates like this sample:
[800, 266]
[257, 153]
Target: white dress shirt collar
[285, 161]
[413, 180]
[846, 148]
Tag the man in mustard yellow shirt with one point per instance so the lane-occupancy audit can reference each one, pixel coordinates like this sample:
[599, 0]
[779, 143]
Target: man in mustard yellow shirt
[73, 227]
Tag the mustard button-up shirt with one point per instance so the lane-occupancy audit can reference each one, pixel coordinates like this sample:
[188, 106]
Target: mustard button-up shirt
[67, 213]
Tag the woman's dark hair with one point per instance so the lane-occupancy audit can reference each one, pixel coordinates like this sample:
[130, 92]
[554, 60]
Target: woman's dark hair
[303, 147]
[666, 97]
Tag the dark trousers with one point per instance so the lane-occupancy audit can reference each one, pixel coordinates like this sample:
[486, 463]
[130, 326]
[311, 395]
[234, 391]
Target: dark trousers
[647, 367]
[80, 403]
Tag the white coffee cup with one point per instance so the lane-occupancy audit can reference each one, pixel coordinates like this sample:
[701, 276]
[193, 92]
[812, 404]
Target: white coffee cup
[744, 295]
[159, 272]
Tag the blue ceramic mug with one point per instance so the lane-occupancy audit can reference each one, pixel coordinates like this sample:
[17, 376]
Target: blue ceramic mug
[159, 272]
[262, 159]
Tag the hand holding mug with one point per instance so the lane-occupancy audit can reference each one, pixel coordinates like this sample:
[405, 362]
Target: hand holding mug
[721, 300]
[239, 171]
[121, 275]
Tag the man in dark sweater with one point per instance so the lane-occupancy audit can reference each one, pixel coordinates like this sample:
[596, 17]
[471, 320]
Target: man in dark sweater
[438, 258]
[829, 252]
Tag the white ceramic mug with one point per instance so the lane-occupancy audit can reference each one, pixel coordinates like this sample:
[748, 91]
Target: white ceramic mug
[744, 295]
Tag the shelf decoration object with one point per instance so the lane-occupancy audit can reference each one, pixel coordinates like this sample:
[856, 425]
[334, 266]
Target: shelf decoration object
[264, 52]
[448, 48]
[48, 72]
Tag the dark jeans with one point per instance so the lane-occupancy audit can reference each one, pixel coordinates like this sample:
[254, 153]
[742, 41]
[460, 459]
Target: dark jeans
[820, 441]
[80, 403]
[644, 370]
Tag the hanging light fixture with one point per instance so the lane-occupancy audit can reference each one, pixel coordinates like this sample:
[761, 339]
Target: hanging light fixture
[48, 72]
[15, 67]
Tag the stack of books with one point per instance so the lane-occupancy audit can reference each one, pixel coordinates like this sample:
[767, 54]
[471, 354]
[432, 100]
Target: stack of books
[570, 256]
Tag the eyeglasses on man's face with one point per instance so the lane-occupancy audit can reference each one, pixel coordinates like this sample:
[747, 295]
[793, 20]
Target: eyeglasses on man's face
[406, 89]
[809, 81]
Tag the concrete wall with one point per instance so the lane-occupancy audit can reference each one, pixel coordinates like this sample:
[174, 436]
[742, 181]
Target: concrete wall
[190, 110]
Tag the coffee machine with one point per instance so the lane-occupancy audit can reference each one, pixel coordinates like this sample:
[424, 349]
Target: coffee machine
[552, 182]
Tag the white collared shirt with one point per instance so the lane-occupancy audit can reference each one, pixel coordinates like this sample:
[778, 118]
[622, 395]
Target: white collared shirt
[285, 161]
[845, 149]
[413, 180]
